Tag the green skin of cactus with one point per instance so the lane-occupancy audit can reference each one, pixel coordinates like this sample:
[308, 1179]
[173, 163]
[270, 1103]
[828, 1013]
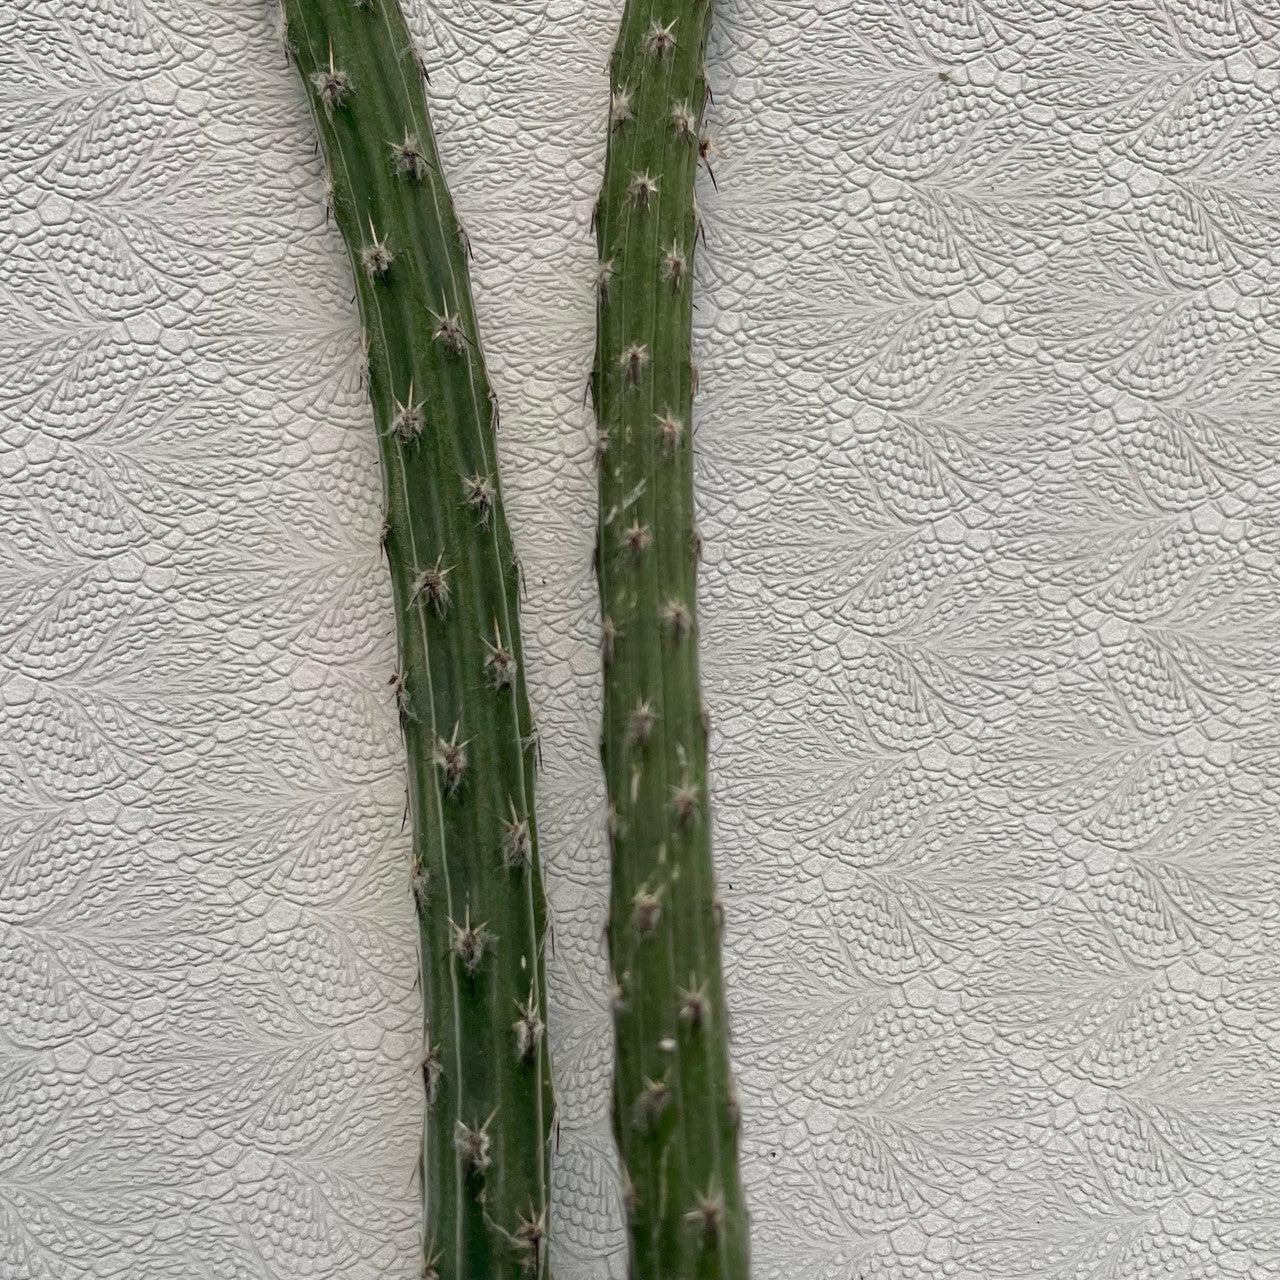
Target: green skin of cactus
[485, 1156]
[675, 1114]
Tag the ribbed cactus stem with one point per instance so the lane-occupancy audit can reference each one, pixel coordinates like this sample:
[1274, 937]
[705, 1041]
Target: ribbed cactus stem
[460, 688]
[674, 1109]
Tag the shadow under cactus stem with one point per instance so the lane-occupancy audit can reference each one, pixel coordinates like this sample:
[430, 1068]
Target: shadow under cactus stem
[674, 1106]
[459, 687]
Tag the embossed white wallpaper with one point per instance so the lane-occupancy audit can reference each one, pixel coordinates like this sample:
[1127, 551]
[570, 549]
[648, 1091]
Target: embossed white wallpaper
[989, 469]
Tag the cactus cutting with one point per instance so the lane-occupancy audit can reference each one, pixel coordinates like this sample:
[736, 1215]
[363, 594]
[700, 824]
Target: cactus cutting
[675, 1112]
[460, 688]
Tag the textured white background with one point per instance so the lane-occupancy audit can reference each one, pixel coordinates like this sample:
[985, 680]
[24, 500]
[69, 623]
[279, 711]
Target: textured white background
[989, 467]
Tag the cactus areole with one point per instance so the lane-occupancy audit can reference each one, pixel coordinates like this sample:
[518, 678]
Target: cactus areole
[460, 688]
[674, 1109]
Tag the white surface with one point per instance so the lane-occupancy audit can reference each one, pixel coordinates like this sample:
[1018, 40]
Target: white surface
[989, 463]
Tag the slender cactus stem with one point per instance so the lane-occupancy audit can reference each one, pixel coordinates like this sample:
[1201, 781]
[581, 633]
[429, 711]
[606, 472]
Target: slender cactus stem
[675, 1114]
[460, 687]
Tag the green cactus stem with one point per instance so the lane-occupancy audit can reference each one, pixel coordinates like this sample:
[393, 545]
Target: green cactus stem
[460, 689]
[675, 1114]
